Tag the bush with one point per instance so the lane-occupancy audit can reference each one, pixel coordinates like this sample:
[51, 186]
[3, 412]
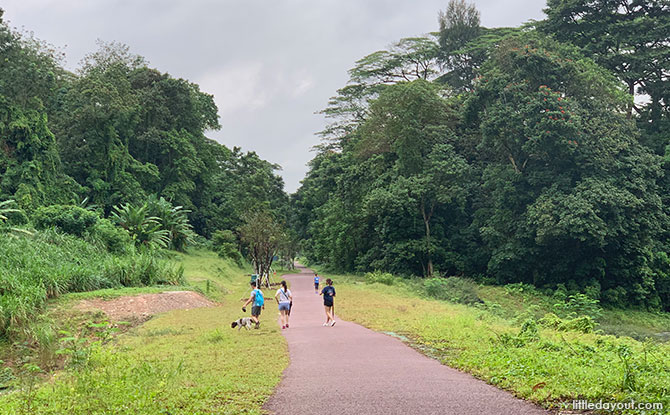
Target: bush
[225, 244]
[579, 305]
[454, 289]
[113, 238]
[379, 277]
[582, 324]
[69, 219]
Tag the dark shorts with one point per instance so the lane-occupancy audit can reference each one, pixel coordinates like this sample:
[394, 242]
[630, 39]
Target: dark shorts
[256, 311]
[316, 285]
[327, 303]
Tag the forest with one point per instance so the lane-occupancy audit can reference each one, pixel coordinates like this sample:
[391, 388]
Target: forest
[105, 169]
[537, 154]
[495, 198]
[533, 154]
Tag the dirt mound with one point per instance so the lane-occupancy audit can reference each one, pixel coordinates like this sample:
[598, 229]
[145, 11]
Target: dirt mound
[145, 305]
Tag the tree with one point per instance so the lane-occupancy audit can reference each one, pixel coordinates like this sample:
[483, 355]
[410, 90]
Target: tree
[289, 249]
[564, 173]
[406, 60]
[262, 236]
[631, 38]
[411, 121]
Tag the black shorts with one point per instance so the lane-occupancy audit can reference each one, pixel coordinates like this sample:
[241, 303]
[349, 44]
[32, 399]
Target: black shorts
[328, 303]
[256, 310]
[316, 285]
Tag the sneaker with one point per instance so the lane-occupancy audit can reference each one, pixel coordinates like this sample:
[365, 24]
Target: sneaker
[287, 326]
[332, 324]
[283, 327]
[325, 324]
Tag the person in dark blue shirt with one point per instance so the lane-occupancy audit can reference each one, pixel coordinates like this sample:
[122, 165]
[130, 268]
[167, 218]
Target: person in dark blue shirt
[328, 293]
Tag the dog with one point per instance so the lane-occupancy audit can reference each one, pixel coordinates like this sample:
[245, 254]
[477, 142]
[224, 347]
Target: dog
[245, 322]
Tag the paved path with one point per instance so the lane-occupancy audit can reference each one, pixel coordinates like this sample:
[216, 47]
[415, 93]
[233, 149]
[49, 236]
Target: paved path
[348, 369]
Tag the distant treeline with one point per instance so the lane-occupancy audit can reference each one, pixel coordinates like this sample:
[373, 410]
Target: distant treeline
[506, 154]
[116, 132]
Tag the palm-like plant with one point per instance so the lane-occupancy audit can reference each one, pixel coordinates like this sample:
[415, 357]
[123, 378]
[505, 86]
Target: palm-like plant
[5, 210]
[144, 230]
[174, 220]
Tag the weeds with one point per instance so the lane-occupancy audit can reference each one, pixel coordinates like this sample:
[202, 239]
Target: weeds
[50, 264]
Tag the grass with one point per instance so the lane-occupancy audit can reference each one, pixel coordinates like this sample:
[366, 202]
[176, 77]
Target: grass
[180, 362]
[512, 349]
[50, 264]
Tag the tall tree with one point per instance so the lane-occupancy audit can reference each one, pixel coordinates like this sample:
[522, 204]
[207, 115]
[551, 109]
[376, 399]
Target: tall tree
[629, 37]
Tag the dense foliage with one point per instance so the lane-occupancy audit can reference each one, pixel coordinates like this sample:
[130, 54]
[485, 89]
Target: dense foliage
[102, 169]
[117, 132]
[510, 155]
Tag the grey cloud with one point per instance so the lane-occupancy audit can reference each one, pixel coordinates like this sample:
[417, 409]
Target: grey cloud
[270, 64]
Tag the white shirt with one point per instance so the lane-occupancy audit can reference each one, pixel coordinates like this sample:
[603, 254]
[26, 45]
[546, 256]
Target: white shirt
[284, 297]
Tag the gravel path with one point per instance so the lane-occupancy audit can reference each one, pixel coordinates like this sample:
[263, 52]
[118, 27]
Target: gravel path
[348, 369]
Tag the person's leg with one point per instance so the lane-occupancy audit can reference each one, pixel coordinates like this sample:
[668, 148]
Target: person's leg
[256, 314]
[327, 314]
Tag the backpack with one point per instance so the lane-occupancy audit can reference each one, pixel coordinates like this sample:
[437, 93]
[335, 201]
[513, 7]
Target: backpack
[259, 301]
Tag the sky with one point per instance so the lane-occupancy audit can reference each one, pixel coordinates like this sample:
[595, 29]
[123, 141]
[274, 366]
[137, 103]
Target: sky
[270, 64]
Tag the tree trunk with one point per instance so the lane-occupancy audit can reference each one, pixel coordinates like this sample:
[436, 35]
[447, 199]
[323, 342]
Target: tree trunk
[426, 221]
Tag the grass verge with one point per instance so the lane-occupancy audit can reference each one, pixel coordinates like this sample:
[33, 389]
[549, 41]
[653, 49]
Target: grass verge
[180, 362]
[541, 364]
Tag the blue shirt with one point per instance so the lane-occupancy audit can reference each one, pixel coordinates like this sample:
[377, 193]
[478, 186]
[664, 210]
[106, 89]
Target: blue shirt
[316, 280]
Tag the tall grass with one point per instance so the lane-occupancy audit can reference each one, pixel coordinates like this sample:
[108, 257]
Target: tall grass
[49, 264]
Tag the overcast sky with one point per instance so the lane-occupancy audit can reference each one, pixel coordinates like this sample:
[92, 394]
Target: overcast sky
[270, 64]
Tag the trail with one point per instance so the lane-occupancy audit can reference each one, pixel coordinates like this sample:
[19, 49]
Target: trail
[348, 369]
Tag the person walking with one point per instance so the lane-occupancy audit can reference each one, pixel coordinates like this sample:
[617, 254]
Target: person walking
[285, 300]
[316, 283]
[328, 293]
[258, 301]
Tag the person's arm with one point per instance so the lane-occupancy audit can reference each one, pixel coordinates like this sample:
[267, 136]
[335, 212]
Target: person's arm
[249, 300]
[277, 297]
[333, 291]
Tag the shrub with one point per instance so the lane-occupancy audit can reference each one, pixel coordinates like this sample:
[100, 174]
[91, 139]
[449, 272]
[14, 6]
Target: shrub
[379, 277]
[174, 220]
[454, 289]
[579, 305]
[69, 219]
[145, 231]
[225, 244]
[582, 324]
[113, 238]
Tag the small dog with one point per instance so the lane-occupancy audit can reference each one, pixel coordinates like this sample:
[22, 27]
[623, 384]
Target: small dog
[245, 322]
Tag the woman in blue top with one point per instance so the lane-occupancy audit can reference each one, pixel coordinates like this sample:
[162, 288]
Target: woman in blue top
[328, 293]
[316, 283]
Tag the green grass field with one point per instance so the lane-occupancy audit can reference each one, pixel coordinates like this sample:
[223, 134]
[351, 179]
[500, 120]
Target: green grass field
[516, 353]
[179, 362]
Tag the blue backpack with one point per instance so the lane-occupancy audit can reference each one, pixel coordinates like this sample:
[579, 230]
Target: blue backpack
[259, 301]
